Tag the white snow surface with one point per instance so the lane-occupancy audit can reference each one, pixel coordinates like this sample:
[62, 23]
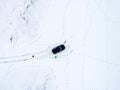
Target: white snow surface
[90, 30]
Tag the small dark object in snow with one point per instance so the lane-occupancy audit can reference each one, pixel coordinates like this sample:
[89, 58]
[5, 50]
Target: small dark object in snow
[58, 49]
[33, 56]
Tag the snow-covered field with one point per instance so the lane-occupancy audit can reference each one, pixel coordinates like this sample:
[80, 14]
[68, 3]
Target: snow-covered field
[30, 29]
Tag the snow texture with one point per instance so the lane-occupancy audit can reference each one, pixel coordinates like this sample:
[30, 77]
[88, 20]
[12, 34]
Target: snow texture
[30, 29]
